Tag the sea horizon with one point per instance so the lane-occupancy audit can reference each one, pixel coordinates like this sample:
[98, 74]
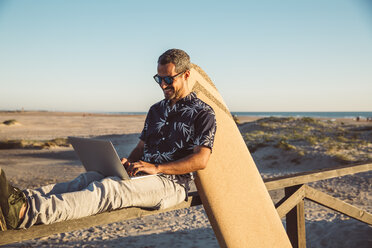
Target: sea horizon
[314, 114]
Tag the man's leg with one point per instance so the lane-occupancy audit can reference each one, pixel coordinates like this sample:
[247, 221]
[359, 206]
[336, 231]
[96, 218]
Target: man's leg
[79, 183]
[12, 201]
[108, 194]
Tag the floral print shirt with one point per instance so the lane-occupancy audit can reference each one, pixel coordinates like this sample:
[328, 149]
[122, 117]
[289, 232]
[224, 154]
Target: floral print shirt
[171, 133]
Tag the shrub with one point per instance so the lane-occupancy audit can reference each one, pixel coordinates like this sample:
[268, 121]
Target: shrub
[56, 142]
[10, 144]
[253, 147]
[342, 138]
[285, 146]
[301, 153]
[36, 144]
[342, 157]
[308, 120]
[312, 140]
[236, 119]
[323, 139]
[10, 122]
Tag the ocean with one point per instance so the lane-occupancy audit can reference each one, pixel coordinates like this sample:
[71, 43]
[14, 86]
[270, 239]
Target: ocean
[350, 115]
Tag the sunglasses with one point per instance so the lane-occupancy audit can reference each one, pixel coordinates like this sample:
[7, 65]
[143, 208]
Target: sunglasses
[168, 80]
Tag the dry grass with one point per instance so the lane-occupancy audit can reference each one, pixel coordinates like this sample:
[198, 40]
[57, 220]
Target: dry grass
[307, 135]
[34, 144]
[236, 119]
[10, 122]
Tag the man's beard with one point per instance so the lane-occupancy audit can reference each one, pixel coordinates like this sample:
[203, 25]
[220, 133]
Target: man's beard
[170, 94]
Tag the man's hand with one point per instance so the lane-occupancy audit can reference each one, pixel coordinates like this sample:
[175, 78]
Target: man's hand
[135, 155]
[145, 167]
[193, 162]
[125, 163]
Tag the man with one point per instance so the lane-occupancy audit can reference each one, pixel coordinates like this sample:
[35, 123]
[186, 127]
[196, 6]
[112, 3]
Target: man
[176, 141]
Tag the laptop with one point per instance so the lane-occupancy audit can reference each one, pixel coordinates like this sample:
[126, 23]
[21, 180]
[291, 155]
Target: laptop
[100, 156]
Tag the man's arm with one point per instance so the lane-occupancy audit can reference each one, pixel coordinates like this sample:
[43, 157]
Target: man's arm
[135, 155]
[193, 162]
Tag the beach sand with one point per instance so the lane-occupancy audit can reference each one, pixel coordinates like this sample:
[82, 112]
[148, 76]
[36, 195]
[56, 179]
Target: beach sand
[30, 168]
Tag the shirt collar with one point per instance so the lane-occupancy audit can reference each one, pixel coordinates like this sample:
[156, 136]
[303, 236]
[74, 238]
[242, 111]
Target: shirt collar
[184, 100]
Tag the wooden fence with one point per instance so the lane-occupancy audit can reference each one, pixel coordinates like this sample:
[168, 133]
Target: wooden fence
[291, 207]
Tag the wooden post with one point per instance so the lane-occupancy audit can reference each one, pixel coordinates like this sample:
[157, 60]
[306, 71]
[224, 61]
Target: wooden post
[2, 222]
[295, 221]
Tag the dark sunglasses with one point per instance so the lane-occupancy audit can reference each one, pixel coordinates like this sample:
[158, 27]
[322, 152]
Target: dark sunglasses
[167, 79]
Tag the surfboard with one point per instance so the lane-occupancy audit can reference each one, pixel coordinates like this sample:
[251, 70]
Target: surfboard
[232, 191]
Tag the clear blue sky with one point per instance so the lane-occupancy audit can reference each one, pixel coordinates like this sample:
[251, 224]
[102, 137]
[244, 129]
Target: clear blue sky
[262, 55]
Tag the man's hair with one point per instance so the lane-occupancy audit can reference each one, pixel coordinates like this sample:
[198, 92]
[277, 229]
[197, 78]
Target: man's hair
[178, 57]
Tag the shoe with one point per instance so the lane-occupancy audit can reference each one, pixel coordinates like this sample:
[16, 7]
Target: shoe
[12, 200]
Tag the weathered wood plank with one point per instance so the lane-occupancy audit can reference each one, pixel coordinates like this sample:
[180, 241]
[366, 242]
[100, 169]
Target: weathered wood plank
[337, 205]
[312, 176]
[301, 224]
[2, 221]
[38, 231]
[290, 201]
[295, 220]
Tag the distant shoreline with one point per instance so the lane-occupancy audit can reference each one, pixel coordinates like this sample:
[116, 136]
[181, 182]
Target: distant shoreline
[61, 113]
[363, 115]
[314, 114]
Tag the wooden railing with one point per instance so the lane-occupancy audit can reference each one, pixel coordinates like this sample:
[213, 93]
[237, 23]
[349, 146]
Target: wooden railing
[291, 207]
[296, 191]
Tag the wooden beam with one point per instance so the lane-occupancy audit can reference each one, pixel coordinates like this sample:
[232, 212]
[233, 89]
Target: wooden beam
[38, 231]
[317, 175]
[295, 220]
[337, 205]
[2, 221]
[301, 224]
[290, 201]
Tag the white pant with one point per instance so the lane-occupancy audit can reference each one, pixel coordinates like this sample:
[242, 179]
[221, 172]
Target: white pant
[91, 193]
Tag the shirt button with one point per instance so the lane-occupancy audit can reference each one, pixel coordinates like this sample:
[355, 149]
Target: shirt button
[163, 138]
[166, 123]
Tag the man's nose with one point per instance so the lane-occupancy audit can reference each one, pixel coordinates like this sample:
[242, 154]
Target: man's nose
[163, 85]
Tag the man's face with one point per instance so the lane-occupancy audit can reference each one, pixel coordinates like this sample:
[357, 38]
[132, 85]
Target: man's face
[177, 89]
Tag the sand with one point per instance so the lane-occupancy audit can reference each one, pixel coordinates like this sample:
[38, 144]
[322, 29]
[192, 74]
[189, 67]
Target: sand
[29, 168]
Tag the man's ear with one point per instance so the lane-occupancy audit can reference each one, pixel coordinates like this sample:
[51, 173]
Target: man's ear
[187, 74]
